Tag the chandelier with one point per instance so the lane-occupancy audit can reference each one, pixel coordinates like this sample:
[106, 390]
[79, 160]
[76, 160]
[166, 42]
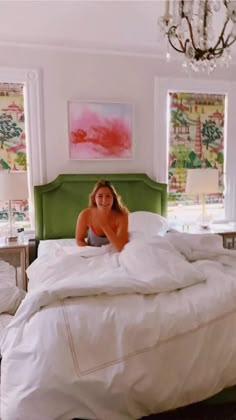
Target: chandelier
[189, 27]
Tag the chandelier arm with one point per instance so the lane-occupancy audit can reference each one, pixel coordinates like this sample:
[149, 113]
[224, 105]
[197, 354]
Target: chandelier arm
[171, 29]
[227, 44]
[221, 37]
[206, 11]
[225, 3]
[224, 44]
[191, 32]
[218, 52]
[196, 45]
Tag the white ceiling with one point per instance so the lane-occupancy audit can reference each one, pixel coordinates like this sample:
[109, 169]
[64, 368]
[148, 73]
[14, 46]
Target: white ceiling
[120, 26]
[113, 26]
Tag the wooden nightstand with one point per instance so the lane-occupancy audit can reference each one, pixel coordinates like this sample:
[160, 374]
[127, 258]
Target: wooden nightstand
[17, 254]
[226, 230]
[228, 233]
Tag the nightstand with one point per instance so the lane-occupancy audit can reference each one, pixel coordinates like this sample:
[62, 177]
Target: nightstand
[228, 233]
[226, 230]
[17, 254]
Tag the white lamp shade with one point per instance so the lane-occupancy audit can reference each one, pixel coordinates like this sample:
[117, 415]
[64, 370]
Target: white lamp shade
[13, 185]
[202, 181]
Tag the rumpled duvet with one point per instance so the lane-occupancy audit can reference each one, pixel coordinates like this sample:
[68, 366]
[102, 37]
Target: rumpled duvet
[10, 295]
[117, 336]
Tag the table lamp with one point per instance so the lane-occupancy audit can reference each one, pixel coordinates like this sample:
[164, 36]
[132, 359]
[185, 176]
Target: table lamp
[13, 186]
[202, 181]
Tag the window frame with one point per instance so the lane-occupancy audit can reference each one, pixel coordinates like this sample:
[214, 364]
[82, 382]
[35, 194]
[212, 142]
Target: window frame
[32, 82]
[161, 131]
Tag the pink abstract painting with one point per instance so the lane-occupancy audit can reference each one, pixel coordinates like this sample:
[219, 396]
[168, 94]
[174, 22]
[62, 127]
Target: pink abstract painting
[100, 130]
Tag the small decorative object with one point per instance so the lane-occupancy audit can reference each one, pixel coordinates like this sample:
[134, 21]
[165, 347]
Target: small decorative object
[100, 130]
[190, 29]
[20, 234]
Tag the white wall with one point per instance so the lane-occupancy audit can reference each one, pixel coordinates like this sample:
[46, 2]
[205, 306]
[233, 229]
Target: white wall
[75, 75]
[70, 75]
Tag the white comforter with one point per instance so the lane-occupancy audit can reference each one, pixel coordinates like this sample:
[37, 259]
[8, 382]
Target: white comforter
[116, 336]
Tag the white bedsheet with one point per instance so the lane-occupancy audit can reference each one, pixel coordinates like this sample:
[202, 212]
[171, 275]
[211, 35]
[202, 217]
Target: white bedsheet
[7, 274]
[5, 319]
[92, 341]
[48, 246]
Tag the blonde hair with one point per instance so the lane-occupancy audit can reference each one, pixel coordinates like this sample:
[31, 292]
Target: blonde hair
[117, 202]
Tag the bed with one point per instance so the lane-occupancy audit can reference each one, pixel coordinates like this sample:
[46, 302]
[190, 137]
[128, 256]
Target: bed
[107, 335]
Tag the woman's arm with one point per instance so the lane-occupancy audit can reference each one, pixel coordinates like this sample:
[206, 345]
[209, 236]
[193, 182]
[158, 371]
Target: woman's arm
[81, 227]
[119, 238]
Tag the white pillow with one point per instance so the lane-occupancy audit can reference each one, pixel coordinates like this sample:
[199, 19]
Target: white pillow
[147, 223]
[10, 299]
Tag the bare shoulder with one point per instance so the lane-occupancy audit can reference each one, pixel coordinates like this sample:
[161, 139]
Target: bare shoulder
[122, 217]
[85, 214]
[125, 215]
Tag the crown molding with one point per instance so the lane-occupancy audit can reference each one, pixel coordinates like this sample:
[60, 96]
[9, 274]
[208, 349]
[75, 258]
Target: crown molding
[148, 52]
[95, 49]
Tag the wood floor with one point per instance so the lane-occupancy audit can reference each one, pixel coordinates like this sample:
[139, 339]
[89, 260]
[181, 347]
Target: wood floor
[199, 412]
[196, 412]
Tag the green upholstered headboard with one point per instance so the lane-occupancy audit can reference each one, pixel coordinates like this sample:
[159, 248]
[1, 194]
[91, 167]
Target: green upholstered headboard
[58, 203]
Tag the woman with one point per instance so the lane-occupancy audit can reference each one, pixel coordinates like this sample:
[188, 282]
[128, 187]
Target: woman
[105, 220]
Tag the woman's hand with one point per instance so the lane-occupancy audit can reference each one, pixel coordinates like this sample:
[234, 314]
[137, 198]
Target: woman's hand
[118, 237]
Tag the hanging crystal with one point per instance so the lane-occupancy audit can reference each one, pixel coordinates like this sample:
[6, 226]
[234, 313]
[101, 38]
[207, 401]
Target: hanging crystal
[189, 26]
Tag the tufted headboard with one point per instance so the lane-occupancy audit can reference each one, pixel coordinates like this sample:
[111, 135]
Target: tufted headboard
[58, 203]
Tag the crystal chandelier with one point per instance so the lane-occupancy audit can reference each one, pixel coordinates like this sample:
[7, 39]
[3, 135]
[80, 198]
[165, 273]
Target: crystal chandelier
[189, 27]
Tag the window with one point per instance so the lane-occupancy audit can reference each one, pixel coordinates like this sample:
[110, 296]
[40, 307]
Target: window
[21, 142]
[13, 145]
[196, 140]
[163, 88]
